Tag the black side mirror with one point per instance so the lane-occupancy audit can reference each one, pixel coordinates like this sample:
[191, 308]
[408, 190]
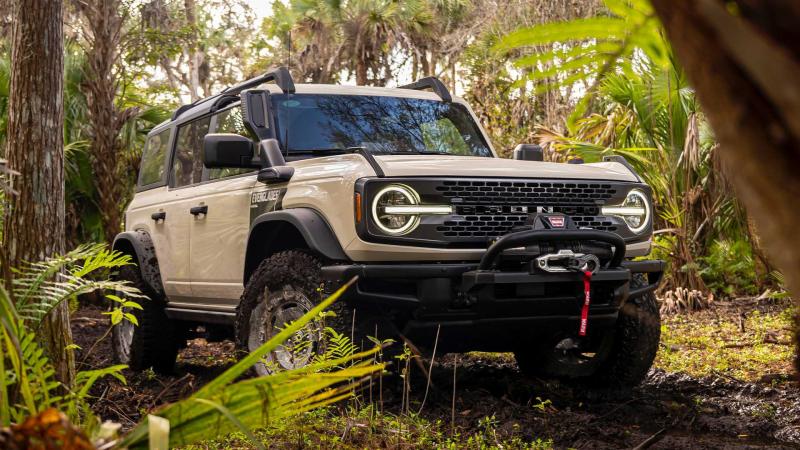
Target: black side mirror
[529, 152]
[228, 150]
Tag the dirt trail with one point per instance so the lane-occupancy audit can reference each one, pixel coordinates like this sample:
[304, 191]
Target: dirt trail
[668, 411]
[676, 410]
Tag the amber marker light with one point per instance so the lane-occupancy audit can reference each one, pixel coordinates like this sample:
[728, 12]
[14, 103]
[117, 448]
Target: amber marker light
[358, 209]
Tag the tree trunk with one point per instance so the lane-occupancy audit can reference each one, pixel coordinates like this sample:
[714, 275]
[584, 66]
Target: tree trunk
[195, 54]
[102, 30]
[361, 72]
[34, 225]
[743, 59]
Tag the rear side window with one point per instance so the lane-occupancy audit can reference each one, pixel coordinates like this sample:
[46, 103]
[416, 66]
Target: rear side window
[187, 167]
[230, 121]
[152, 169]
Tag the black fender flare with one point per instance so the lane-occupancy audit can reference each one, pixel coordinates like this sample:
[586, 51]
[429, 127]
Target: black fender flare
[141, 245]
[313, 228]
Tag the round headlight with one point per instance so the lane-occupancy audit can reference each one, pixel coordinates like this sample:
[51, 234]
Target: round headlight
[635, 210]
[395, 196]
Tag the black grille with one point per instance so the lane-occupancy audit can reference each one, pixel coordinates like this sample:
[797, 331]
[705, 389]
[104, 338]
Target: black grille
[488, 209]
[525, 192]
[485, 209]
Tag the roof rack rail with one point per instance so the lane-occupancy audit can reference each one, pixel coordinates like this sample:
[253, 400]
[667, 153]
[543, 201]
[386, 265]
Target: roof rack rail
[432, 83]
[280, 76]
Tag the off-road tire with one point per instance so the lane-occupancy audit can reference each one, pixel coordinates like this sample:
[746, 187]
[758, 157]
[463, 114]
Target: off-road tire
[301, 270]
[157, 339]
[631, 348]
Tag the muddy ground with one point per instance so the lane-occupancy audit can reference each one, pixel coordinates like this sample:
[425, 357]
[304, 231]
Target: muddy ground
[667, 411]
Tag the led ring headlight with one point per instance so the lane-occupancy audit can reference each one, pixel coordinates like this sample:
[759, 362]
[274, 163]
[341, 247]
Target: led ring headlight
[396, 209]
[635, 210]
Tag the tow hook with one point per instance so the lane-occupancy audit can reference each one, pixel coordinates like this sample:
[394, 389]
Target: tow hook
[568, 261]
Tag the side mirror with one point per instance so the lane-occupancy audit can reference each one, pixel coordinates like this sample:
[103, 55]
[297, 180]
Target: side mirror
[529, 152]
[228, 150]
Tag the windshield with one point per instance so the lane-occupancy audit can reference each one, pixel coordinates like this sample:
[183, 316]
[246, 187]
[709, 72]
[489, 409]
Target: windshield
[381, 125]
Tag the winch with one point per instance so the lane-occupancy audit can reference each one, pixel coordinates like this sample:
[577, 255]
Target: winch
[567, 261]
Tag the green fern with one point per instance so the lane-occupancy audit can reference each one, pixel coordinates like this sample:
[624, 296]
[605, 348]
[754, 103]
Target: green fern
[337, 346]
[40, 286]
[27, 378]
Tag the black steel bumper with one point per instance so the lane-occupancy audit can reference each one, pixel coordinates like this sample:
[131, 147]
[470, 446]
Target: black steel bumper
[481, 307]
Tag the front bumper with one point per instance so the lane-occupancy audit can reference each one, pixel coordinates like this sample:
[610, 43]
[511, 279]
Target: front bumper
[482, 306]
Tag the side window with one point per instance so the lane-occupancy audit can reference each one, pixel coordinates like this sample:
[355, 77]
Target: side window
[152, 169]
[230, 121]
[187, 167]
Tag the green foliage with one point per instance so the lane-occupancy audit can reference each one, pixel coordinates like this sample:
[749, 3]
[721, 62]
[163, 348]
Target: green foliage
[40, 286]
[338, 346]
[224, 405]
[640, 106]
[745, 343]
[27, 379]
[729, 268]
[591, 49]
[361, 427]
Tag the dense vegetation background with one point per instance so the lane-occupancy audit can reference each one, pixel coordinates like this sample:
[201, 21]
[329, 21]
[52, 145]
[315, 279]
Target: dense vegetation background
[607, 83]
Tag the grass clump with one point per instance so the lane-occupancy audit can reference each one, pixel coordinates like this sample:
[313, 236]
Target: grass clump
[750, 346]
[355, 427]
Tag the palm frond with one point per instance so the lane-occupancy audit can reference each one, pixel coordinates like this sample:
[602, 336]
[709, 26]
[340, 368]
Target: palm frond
[223, 405]
[562, 54]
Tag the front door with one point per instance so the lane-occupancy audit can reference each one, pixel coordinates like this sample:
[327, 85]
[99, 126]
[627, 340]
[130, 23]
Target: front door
[181, 208]
[219, 237]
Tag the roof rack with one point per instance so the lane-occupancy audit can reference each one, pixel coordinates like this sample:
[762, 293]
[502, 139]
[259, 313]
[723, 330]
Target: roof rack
[432, 83]
[280, 76]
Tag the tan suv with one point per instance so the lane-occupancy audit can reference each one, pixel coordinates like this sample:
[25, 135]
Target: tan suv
[253, 204]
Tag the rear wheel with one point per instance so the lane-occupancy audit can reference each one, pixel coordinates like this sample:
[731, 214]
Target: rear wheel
[282, 289]
[156, 340]
[620, 357]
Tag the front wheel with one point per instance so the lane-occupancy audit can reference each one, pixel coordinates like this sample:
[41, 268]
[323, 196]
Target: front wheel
[621, 357]
[282, 289]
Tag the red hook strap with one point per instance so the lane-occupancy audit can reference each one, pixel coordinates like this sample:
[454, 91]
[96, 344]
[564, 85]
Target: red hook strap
[587, 282]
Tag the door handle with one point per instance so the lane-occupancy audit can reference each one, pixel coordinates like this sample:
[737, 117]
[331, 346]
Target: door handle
[161, 215]
[197, 210]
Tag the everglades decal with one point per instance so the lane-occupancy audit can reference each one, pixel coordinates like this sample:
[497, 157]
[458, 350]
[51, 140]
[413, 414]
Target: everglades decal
[265, 201]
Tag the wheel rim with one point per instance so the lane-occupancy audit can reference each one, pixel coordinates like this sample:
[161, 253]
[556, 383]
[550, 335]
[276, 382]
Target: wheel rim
[270, 317]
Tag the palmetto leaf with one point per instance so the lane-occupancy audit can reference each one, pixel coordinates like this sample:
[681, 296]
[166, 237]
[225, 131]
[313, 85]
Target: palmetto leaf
[588, 50]
[223, 406]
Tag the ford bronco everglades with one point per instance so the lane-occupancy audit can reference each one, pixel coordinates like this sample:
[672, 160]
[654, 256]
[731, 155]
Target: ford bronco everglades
[252, 204]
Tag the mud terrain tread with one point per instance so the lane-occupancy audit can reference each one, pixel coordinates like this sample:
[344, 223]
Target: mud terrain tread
[633, 348]
[302, 270]
[638, 333]
[157, 340]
